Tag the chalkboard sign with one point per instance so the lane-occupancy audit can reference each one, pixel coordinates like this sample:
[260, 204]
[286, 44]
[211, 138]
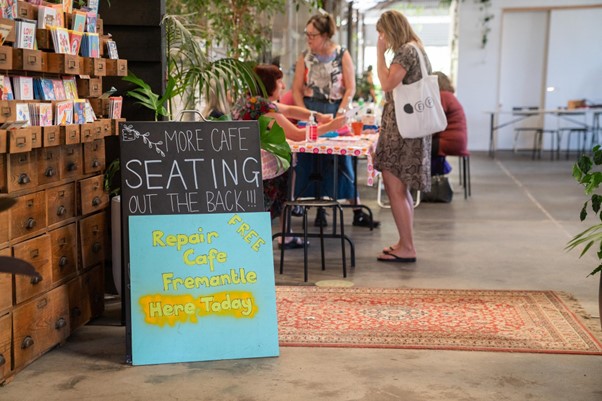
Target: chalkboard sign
[197, 243]
[191, 167]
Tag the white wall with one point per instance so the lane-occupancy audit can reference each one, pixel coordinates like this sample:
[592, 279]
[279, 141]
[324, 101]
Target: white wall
[479, 68]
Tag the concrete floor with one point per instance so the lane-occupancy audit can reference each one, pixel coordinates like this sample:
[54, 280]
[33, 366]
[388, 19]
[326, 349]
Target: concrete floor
[509, 235]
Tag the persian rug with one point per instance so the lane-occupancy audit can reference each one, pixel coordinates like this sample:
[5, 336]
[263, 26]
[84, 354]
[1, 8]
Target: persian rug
[476, 320]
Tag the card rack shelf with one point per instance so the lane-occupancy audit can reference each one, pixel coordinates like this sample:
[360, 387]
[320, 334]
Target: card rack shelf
[60, 222]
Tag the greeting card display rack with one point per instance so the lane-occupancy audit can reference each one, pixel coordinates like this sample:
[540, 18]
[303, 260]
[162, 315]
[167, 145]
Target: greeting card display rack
[59, 223]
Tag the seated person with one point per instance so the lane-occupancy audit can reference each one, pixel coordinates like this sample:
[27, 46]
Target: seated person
[452, 141]
[251, 107]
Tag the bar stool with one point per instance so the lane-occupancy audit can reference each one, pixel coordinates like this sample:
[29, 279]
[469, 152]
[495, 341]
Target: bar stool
[305, 205]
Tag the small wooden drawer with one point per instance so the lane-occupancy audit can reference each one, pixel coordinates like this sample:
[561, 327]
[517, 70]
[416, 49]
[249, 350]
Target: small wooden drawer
[94, 156]
[8, 111]
[96, 67]
[105, 126]
[27, 216]
[63, 63]
[21, 140]
[3, 227]
[29, 60]
[35, 251]
[44, 39]
[6, 340]
[22, 172]
[89, 87]
[6, 287]
[61, 203]
[116, 123]
[26, 10]
[11, 35]
[6, 58]
[86, 296]
[3, 173]
[36, 136]
[92, 195]
[49, 160]
[70, 134]
[91, 132]
[100, 106]
[51, 136]
[3, 141]
[71, 161]
[63, 242]
[39, 325]
[117, 68]
[93, 239]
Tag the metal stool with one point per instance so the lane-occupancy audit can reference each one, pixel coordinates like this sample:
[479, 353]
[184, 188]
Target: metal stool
[305, 206]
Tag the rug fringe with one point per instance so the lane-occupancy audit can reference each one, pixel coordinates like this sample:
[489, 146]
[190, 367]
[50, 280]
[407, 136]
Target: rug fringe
[592, 323]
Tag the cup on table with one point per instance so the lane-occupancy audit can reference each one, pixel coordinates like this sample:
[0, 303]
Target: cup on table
[357, 127]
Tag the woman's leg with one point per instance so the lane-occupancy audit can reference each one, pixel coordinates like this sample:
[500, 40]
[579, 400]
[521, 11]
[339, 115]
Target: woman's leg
[402, 207]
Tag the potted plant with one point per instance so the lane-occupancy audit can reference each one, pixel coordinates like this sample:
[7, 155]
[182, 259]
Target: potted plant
[587, 172]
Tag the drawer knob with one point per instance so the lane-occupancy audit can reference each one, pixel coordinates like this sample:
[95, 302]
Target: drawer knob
[72, 166]
[2, 360]
[31, 223]
[60, 323]
[96, 201]
[24, 179]
[27, 342]
[96, 247]
[95, 163]
[49, 172]
[36, 279]
[61, 210]
[63, 261]
[76, 312]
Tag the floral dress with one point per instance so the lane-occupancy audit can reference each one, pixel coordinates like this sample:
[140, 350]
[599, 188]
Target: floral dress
[408, 159]
[275, 190]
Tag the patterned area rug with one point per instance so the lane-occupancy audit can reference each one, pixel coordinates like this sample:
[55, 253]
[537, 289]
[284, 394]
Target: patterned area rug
[508, 321]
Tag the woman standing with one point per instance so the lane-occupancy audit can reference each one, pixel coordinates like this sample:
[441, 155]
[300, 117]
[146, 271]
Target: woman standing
[325, 82]
[405, 164]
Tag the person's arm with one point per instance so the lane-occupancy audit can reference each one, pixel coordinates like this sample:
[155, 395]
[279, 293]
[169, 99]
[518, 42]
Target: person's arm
[301, 113]
[298, 82]
[389, 77]
[348, 80]
[294, 133]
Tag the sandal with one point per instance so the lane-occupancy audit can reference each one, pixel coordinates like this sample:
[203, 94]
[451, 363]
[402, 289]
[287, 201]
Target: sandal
[394, 258]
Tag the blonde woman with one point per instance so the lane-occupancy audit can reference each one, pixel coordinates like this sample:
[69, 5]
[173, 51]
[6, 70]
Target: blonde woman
[405, 164]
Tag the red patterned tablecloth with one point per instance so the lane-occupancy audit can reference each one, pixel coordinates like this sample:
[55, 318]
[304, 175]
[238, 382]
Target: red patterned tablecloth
[362, 145]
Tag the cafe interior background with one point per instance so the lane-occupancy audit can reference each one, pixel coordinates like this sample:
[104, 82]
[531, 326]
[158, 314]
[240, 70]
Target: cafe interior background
[499, 53]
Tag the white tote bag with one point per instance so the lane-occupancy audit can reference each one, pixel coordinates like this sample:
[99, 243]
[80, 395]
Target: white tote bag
[418, 107]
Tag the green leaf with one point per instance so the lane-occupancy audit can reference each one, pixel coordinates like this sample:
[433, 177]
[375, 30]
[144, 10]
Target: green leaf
[596, 201]
[583, 214]
[273, 140]
[584, 163]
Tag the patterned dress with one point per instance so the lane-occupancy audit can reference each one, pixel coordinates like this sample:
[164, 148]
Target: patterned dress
[275, 190]
[408, 159]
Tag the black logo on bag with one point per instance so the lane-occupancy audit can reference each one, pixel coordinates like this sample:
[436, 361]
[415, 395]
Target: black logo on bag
[419, 106]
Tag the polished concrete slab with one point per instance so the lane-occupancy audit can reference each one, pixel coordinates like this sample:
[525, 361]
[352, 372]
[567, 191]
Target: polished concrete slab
[510, 234]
